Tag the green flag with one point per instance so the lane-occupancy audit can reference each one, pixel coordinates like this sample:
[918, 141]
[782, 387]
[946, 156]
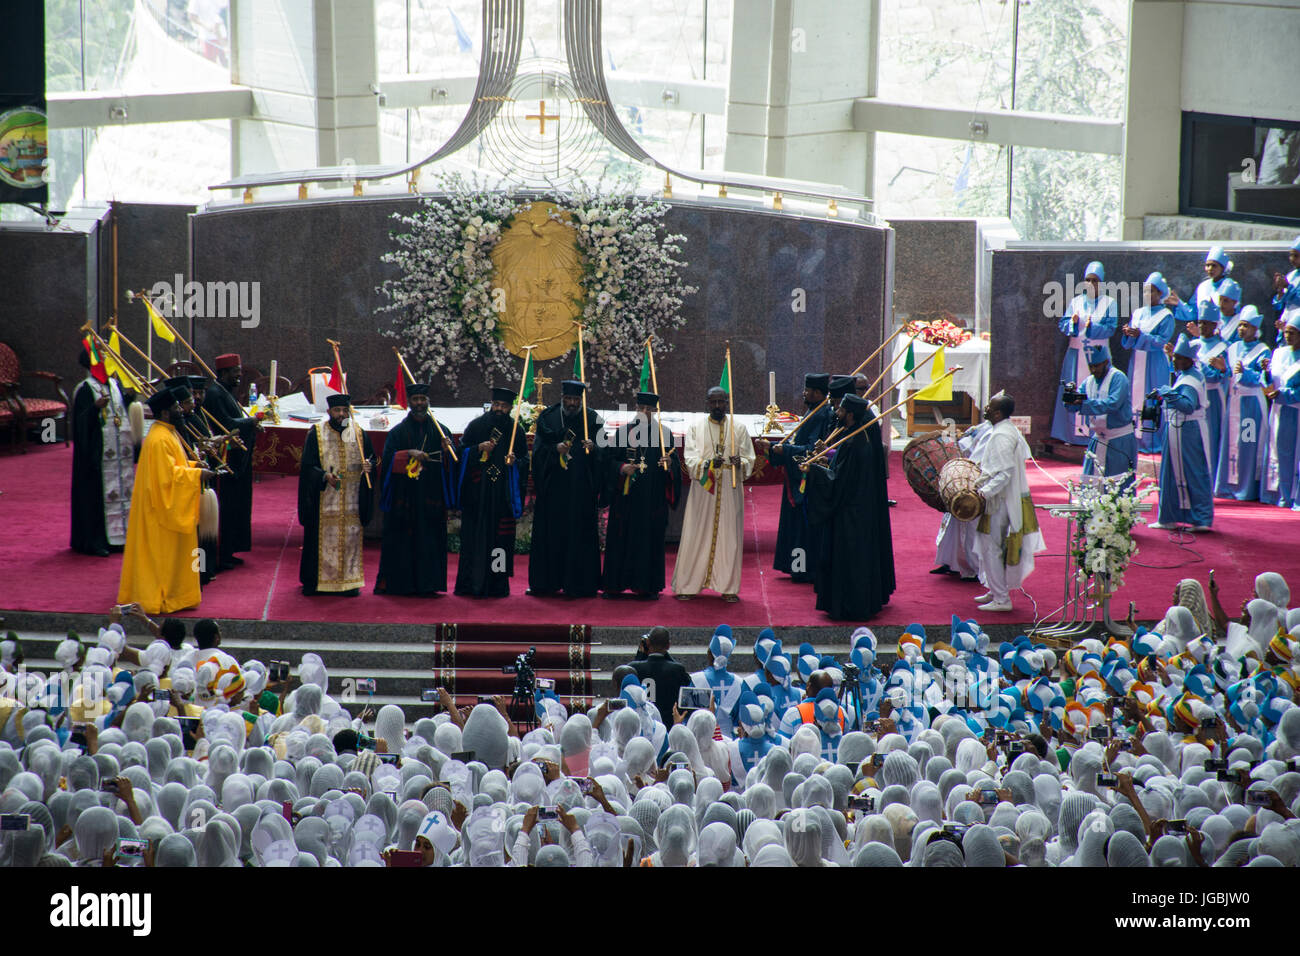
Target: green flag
[645, 370]
[577, 364]
[529, 385]
[909, 362]
[724, 383]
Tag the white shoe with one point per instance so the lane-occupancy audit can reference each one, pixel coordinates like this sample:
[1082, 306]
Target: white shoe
[998, 606]
[1161, 527]
[1202, 527]
[984, 598]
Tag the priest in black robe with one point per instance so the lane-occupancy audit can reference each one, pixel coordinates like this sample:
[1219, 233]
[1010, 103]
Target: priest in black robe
[798, 542]
[235, 490]
[855, 575]
[493, 478]
[415, 480]
[103, 464]
[880, 447]
[568, 478]
[642, 484]
[335, 502]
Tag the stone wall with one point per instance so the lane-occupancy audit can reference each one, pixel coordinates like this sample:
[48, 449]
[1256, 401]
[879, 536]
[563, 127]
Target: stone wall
[318, 263]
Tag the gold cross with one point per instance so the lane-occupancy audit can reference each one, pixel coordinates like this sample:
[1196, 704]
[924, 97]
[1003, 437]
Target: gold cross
[539, 381]
[542, 116]
[641, 466]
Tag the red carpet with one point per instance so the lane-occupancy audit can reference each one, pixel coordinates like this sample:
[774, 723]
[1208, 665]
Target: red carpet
[41, 573]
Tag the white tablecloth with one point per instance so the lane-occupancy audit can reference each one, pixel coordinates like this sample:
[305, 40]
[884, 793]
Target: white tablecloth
[973, 357]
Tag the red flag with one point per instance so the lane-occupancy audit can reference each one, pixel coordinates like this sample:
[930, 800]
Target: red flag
[96, 363]
[399, 388]
[336, 378]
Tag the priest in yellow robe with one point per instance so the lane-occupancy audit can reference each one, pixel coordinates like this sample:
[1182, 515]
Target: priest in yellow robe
[160, 569]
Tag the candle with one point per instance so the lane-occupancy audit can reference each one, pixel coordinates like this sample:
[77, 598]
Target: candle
[273, 377]
[771, 388]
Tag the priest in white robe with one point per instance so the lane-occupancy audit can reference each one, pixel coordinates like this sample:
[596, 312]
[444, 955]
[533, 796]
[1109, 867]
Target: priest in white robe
[1007, 533]
[713, 532]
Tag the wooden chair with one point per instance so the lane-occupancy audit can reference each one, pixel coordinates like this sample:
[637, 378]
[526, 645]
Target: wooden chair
[29, 410]
[382, 396]
[284, 386]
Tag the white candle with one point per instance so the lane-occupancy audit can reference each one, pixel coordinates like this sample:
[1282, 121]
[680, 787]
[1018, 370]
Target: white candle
[771, 388]
[273, 377]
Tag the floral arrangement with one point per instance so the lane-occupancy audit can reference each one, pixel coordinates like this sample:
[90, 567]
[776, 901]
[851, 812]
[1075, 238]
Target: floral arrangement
[1103, 542]
[945, 330]
[448, 312]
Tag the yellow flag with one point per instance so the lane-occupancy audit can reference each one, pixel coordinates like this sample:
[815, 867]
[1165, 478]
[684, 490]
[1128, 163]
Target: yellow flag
[159, 327]
[112, 367]
[940, 387]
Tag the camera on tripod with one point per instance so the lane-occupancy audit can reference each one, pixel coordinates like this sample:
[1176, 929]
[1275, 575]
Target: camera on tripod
[850, 672]
[525, 671]
[1071, 395]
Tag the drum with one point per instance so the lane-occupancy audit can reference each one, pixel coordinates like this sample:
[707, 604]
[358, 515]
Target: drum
[923, 459]
[957, 488]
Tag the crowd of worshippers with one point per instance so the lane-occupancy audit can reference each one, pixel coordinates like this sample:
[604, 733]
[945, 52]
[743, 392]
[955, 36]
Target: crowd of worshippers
[1207, 388]
[1176, 747]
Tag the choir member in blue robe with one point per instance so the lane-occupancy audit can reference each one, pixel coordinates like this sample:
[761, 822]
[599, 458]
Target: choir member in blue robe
[1241, 449]
[1281, 484]
[1090, 318]
[1186, 489]
[1212, 362]
[725, 685]
[1286, 289]
[1217, 267]
[1149, 330]
[1108, 407]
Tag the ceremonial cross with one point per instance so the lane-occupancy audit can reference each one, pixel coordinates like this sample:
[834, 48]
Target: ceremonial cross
[641, 466]
[542, 116]
[539, 381]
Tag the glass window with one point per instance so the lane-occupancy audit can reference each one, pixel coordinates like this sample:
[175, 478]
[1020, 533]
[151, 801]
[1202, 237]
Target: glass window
[1072, 57]
[920, 176]
[124, 45]
[148, 162]
[1060, 195]
[945, 52]
[1235, 167]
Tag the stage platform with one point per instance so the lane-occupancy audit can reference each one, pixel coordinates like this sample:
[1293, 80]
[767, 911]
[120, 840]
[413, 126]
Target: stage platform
[41, 574]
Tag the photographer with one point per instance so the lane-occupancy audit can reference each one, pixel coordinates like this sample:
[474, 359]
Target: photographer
[662, 676]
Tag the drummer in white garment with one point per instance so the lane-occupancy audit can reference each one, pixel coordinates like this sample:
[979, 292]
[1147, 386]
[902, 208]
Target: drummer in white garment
[955, 551]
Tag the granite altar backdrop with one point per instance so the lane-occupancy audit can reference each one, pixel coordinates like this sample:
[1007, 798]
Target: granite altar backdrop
[792, 293]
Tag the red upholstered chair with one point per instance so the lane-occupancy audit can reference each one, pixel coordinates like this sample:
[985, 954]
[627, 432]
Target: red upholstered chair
[30, 410]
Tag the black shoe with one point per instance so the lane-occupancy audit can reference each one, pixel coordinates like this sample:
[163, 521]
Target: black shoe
[101, 552]
[309, 592]
[941, 569]
[232, 559]
[227, 566]
[647, 595]
[892, 502]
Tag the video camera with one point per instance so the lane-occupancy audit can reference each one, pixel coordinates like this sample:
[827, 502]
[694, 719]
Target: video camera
[522, 698]
[1151, 412]
[1071, 395]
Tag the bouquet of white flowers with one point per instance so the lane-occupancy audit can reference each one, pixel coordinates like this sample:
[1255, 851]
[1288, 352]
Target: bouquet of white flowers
[448, 310]
[1103, 544]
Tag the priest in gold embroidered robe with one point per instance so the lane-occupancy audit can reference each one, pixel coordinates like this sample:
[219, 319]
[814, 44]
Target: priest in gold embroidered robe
[713, 532]
[334, 502]
[160, 568]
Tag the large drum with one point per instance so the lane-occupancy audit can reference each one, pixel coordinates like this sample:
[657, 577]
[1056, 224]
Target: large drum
[957, 487]
[923, 460]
